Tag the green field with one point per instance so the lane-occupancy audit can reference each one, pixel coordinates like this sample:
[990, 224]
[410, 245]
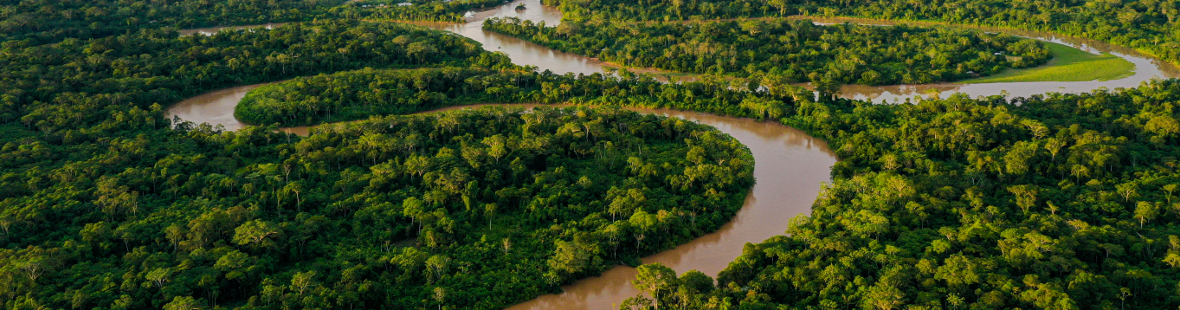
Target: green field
[1068, 64]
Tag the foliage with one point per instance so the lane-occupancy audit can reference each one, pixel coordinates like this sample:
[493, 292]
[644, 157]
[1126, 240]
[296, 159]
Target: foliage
[357, 94]
[1146, 25]
[44, 21]
[790, 50]
[59, 87]
[1068, 64]
[1048, 202]
[107, 204]
[492, 206]
[956, 203]
[416, 10]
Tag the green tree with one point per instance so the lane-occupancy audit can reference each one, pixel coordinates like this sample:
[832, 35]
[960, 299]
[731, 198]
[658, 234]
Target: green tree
[257, 234]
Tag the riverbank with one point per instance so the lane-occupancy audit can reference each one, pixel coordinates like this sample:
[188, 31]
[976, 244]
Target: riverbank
[1068, 64]
[781, 192]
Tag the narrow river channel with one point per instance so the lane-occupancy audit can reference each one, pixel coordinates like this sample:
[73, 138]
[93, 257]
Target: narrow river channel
[790, 166]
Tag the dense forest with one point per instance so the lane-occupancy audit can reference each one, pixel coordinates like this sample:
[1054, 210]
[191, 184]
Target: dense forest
[44, 21]
[790, 50]
[467, 209]
[941, 204]
[57, 88]
[352, 95]
[108, 204]
[1146, 25]
[418, 10]
[962, 203]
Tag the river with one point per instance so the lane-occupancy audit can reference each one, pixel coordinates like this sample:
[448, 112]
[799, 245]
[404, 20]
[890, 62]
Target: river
[790, 166]
[520, 51]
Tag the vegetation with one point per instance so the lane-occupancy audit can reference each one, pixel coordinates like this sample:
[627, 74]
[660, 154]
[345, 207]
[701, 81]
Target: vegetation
[964, 203]
[59, 87]
[1068, 64]
[1147, 25]
[790, 50]
[35, 22]
[352, 95]
[417, 10]
[45, 21]
[108, 204]
[492, 207]
[944, 204]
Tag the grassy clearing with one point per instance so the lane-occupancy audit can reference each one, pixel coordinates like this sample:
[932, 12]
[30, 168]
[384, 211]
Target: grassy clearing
[1068, 64]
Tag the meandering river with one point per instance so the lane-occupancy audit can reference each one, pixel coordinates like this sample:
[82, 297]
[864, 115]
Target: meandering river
[790, 166]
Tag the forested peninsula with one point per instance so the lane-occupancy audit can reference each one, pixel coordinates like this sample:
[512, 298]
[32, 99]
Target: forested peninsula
[790, 51]
[352, 95]
[1146, 25]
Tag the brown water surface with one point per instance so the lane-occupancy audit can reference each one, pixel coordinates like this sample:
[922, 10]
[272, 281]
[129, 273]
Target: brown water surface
[215, 108]
[520, 51]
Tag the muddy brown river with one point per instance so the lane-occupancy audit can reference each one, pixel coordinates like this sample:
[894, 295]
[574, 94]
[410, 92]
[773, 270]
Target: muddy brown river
[790, 166]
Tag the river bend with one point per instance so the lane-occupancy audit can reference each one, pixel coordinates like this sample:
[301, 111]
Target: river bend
[789, 167]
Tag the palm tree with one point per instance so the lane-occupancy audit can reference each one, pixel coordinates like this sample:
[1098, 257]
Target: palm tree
[440, 294]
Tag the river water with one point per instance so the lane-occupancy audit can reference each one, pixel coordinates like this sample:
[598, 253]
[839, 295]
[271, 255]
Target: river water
[790, 166]
[215, 108]
[520, 51]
